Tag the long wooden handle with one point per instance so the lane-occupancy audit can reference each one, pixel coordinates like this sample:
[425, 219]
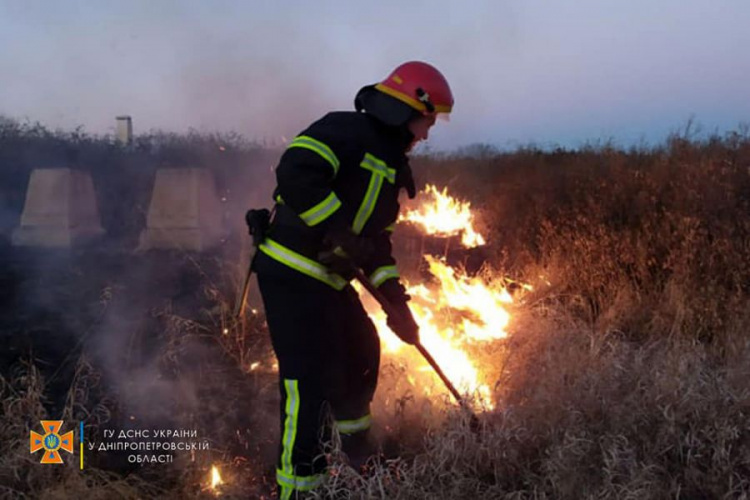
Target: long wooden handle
[239, 306]
[389, 310]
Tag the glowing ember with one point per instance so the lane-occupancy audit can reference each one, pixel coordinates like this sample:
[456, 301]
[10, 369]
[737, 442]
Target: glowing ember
[442, 215]
[215, 478]
[254, 366]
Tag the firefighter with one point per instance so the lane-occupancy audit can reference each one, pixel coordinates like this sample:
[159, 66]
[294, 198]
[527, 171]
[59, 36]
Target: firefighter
[336, 198]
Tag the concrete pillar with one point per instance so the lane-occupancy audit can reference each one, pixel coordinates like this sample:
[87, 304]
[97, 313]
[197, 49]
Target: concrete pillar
[60, 209]
[124, 130]
[185, 211]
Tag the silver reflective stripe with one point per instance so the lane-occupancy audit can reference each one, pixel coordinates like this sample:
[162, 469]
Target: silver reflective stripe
[383, 273]
[379, 171]
[352, 426]
[301, 483]
[301, 263]
[368, 203]
[376, 165]
[307, 142]
[290, 424]
[322, 210]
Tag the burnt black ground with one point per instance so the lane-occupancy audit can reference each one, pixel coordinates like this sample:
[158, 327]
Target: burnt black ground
[54, 301]
[116, 309]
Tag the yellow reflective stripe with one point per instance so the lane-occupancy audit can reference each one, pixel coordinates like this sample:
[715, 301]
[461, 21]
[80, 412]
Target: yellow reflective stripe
[379, 171]
[307, 142]
[279, 199]
[300, 483]
[391, 228]
[414, 103]
[322, 210]
[300, 263]
[286, 492]
[290, 424]
[377, 165]
[368, 202]
[383, 273]
[352, 426]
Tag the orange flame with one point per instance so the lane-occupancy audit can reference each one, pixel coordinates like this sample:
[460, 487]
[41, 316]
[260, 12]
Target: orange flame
[215, 478]
[443, 215]
[455, 314]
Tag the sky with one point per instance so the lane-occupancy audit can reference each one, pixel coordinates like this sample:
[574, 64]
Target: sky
[523, 72]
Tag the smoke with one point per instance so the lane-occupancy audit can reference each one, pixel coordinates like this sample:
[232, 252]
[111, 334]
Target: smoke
[260, 69]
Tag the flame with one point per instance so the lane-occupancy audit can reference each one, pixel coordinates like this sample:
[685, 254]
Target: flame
[443, 215]
[215, 478]
[457, 315]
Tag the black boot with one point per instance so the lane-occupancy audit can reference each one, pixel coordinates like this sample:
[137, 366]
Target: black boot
[359, 449]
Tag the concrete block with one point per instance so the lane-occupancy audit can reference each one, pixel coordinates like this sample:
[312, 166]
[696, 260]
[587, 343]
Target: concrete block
[185, 211]
[60, 210]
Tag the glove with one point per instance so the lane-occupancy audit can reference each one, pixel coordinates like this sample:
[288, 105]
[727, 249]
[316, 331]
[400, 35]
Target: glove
[400, 319]
[402, 322]
[338, 263]
[344, 243]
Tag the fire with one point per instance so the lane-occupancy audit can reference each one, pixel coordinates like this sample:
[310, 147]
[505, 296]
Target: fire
[215, 478]
[457, 314]
[443, 215]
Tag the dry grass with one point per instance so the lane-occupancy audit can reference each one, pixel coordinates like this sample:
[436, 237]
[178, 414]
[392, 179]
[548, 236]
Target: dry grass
[625, 374]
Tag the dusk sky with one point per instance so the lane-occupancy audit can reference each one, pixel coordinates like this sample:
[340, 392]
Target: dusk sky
[547, 72]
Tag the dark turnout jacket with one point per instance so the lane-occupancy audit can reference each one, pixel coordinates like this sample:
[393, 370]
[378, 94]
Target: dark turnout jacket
[344, 172]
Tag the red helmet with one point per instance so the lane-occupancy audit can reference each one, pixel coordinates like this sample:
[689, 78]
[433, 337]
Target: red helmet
[421, 86]
[413, 87]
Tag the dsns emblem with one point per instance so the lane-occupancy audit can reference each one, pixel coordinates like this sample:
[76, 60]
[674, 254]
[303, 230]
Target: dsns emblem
[51, 442]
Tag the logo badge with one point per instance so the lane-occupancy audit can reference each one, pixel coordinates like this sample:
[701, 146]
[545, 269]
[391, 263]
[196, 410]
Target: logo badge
[51, 441]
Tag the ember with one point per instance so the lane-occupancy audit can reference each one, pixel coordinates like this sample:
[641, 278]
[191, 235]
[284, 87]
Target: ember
[215, 478]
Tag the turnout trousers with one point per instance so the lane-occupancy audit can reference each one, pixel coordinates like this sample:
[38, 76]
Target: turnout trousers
[328, 352]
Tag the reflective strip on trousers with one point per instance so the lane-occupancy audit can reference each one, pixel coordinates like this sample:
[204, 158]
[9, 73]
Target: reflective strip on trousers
[352, 426]
[307, 142]
[322, 210]
[383, 273]
[290, 482]
[300, 263]
[290, 424]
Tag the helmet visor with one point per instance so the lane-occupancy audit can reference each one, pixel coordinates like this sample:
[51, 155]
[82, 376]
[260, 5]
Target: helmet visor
[443, 117]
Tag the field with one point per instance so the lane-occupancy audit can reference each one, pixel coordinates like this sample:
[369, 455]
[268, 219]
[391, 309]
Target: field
[623, 373]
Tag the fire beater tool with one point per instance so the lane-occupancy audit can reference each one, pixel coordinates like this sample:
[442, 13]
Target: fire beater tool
[389, 310]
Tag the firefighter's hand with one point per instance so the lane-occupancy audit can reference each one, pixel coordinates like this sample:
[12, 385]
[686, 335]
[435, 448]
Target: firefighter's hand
[402, 322]
[343, 242]
[338, 264]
